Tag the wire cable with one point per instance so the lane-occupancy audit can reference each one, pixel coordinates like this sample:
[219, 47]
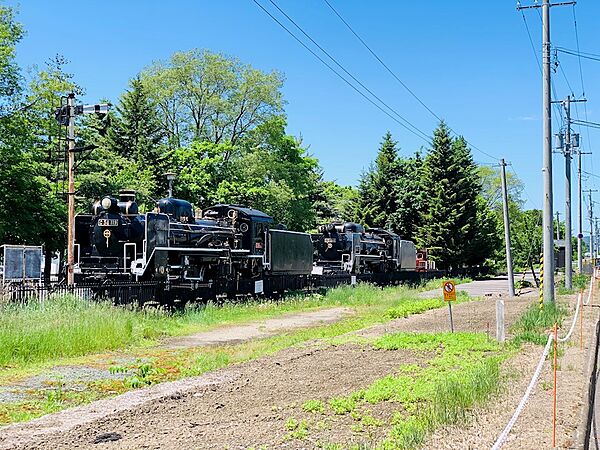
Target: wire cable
[361, 93]
[406, 121]
[362, 41]
[582, 83]
[415, 96]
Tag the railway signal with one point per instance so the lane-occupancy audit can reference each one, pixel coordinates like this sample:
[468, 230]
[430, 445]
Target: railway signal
[65, 115]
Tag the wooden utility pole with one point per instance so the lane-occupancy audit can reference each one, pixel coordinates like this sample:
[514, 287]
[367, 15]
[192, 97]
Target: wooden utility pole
[65, 115]
[71, 189]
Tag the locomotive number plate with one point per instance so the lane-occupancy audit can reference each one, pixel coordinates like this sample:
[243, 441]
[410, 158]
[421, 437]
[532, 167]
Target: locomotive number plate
[108, 222]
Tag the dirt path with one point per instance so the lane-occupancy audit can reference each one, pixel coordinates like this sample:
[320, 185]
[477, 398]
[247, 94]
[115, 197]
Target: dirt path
[260, 329]
[249, 404]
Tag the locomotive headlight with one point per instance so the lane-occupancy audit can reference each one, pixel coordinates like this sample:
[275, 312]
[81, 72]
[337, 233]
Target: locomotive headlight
[106, 202]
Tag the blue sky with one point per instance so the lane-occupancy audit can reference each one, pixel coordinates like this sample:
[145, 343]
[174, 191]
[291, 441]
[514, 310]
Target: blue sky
[470, 61]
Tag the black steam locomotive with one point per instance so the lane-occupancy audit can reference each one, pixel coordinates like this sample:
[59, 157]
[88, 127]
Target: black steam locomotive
[228, 250]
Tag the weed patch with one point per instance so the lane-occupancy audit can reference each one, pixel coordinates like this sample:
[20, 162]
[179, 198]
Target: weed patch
[314, 406]
[534, 324]
[463, 372]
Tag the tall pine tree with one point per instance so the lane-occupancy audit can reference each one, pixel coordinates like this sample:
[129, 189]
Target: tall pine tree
[409, 198]
[136, 132]
[377, 204]
[450, 188]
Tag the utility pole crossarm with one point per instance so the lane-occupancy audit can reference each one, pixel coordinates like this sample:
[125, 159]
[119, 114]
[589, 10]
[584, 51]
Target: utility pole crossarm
[520, 7]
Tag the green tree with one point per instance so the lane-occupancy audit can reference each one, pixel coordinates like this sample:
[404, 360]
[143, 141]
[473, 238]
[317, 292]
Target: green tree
[273, 172]
[208, 96]
[377, 201]
[33, 214]
[334, 202]
[526, 238]
[11, 33]
[409, 197]
[450, 188]
[135, 132]
[201, 168]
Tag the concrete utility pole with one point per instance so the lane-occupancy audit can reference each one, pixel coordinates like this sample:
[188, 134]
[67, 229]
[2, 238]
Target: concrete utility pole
[570, 144]
[567, 151]
[580, 215]
[509, 264]
[591, 218]
[547, 145]
[547, 159]
[71, 189]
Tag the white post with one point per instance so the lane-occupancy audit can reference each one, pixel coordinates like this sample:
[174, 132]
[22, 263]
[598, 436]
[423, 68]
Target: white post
[500, 320]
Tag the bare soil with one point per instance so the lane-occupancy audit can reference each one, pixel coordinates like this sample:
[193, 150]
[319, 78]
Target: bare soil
[249, 404]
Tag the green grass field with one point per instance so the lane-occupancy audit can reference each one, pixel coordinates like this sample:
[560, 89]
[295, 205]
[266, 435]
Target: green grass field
[64, 326]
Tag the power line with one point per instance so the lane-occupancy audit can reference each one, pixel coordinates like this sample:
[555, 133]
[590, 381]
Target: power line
[582, 83]
[416, 131]
[363, 42]
[524, 189]
[537, 59]
[586, 123]
[579, 55]
[579, 58]
[361, 93]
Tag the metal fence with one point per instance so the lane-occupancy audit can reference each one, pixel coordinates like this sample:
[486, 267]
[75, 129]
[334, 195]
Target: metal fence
[118, 293]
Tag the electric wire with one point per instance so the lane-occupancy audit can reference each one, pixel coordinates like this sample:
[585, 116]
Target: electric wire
[415, 96]
[407, 124]
[578, 54]
[582, 83]
[362, 41]
[585, 123]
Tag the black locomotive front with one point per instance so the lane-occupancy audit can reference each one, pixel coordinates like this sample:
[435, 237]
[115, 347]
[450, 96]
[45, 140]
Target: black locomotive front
[348, 247]
[108, 239]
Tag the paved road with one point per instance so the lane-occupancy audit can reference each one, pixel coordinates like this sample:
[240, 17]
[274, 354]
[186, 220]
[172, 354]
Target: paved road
[480, 288]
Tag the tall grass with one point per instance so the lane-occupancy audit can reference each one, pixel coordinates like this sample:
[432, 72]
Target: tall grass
[534, 324]
[64, 326]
